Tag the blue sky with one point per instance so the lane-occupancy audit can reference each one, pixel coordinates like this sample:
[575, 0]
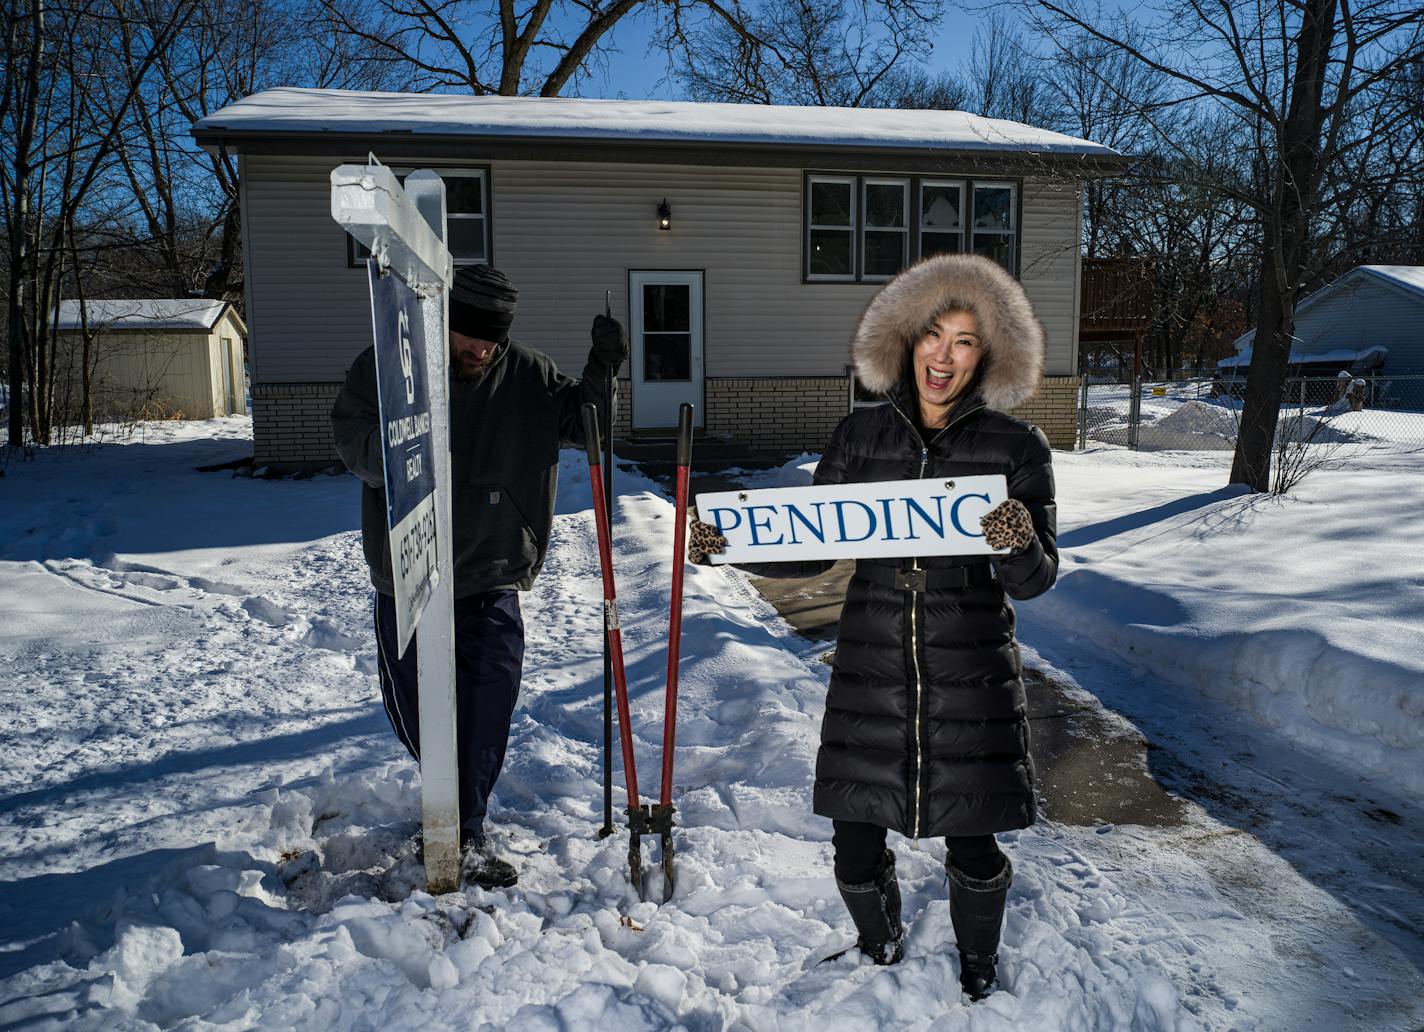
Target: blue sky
[636, 74]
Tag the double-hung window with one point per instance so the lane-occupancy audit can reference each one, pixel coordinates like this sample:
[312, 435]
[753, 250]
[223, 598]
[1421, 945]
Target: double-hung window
[830, 236]
[867, 228]
[994, 222]
[886, 247]
[941, 216]
[466, 217]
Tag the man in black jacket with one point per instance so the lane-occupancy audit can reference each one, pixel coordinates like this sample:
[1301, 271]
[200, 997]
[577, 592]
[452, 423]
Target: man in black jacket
[510, 410]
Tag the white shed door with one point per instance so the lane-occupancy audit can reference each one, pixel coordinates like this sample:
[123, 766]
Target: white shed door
[229, 399]
[666, 344]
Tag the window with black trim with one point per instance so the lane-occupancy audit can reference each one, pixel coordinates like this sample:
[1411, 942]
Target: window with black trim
[830, 232]
[467, 223]
[887, 227]
[867, 228]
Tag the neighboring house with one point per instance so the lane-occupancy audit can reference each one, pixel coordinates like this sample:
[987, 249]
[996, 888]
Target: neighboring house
[1370, 320]
[738, 243]
[154, 358]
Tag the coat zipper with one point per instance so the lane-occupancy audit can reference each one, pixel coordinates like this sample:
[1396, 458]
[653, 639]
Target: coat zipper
[915, 668]
[915, 654]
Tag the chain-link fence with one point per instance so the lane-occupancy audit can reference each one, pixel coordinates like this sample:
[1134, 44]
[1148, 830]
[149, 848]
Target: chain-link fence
[1204, 412]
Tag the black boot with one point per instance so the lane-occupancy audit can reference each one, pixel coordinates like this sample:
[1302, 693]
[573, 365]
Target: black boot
[875, 908]
[976, 909]
[480, 866]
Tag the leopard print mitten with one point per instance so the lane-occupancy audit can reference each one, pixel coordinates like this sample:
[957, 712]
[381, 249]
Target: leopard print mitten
[1008, 525]
[702, 540]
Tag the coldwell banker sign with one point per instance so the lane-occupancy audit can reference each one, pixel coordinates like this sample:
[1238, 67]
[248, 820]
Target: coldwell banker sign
[406, 445]
[854, 521]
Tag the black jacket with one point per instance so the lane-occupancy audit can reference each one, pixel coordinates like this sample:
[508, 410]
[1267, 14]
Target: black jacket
[505, 432]
[925, 729]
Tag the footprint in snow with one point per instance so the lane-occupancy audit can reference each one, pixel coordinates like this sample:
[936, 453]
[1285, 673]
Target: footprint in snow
[270, 613]
[323, 635]
[153, 581]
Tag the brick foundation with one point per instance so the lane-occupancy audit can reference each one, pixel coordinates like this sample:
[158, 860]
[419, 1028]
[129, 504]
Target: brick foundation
[291, 422]
[1054, 410]
[291, 425]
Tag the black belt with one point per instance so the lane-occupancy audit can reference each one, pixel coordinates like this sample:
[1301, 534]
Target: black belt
[921, 580]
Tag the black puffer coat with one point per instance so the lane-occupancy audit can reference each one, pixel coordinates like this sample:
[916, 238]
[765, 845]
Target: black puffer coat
[925, 730]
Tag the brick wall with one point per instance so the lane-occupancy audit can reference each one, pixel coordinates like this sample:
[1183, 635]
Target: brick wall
[795, 414]
[291, 421]
[291, 424]
[1054, 410]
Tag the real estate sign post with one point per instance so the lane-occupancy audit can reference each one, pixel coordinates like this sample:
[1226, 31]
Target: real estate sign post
[411, 271]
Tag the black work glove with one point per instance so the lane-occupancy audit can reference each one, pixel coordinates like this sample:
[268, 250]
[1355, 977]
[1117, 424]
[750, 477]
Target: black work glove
[610, 343]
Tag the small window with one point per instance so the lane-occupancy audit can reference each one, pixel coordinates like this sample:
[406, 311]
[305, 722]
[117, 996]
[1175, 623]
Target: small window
[887, 231]
[941, 218]
[830, 246]
[466, 218]
[994, 222]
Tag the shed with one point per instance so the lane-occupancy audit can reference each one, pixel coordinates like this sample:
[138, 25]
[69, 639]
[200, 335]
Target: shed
[155, 357]
[1371, 308]
[738, 243]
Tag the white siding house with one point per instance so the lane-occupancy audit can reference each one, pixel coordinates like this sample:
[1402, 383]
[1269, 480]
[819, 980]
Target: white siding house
[1371, 306]
[781, 225]
[165, 358]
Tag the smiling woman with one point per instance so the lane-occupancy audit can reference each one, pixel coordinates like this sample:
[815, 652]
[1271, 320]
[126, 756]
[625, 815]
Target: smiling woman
[946, 358]
[925, 731]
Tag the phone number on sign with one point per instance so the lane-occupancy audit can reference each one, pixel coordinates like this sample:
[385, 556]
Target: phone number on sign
[415, 543]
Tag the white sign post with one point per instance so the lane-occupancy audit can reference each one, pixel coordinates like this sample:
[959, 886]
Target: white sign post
[403, 229]
[853, 521]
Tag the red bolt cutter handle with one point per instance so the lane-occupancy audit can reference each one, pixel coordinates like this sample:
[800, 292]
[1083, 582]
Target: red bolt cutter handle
[610, 600]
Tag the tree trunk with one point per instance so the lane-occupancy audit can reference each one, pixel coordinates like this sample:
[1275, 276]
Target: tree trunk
[1283, 258]
[17, 361]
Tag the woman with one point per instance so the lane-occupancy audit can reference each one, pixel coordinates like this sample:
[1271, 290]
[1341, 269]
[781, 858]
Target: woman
[925, 731]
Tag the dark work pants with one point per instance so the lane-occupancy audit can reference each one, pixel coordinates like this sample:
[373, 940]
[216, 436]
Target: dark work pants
[860, 852]
[489, 658]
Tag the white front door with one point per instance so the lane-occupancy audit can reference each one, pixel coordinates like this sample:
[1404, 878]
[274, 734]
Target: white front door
[666, 342]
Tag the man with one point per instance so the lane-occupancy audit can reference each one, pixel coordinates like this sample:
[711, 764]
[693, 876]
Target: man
[510, 409]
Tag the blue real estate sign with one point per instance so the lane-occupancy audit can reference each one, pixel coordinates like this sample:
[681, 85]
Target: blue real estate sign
[406, 443]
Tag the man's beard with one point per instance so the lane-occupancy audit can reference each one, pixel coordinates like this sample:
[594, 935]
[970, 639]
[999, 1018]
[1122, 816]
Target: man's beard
[468, 369]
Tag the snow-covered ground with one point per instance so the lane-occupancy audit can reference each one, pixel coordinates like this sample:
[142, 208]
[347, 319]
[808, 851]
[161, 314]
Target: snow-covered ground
[205, 819]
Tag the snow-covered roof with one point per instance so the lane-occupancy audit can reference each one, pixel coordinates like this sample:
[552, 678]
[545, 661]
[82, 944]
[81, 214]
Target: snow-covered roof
[153, 313]
[291, 110]
[1375, 351]
[1403, 277]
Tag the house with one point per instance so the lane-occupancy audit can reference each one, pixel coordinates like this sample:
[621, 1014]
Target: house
[1366, 322]
[738, 243]
[153, 358]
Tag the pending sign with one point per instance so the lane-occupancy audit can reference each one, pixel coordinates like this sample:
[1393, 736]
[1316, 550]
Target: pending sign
[402, 388]
[854, 521]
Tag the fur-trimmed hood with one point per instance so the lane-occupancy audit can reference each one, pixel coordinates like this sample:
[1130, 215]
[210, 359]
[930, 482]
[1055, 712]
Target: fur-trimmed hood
[1013, 337]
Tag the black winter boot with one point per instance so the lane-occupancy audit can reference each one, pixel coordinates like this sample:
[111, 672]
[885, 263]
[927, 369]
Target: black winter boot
[976, 909]
[875, 908]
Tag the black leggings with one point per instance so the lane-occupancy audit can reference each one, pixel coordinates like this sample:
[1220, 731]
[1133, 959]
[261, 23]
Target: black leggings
[860, 852]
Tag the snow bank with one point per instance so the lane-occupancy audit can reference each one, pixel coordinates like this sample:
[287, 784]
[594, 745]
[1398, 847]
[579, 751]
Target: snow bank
[1303, 612]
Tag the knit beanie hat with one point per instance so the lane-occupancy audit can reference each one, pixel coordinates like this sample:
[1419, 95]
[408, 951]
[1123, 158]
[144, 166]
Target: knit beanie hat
[482, 302]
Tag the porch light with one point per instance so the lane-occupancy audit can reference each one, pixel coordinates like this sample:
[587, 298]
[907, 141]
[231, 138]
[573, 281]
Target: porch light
[664, 215]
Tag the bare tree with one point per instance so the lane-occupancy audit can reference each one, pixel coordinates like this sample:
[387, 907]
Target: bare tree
[59, 55]
[1296, 74]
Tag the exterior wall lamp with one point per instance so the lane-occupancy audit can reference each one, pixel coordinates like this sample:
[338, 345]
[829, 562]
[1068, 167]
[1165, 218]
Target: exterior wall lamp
[664, 215]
